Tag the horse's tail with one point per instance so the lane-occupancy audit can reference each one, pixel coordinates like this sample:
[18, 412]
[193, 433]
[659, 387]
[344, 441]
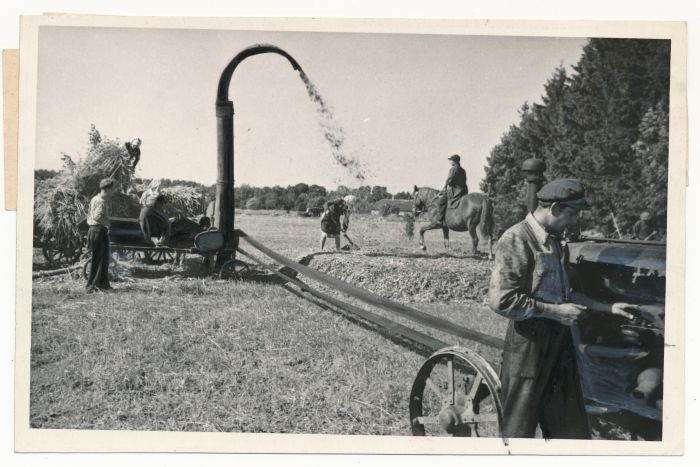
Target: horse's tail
[486, 220]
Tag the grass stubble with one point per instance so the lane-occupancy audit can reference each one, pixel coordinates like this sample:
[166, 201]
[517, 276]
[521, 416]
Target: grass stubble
[196, 354]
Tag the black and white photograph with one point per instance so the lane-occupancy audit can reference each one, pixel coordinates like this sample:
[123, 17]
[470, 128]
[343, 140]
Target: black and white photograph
[380, 231]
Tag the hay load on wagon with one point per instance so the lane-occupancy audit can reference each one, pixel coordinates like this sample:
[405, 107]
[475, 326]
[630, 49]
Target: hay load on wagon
[60, 202]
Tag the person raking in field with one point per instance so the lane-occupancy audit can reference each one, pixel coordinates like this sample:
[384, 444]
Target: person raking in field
[530, 286]
[98, 236]
[334, 222]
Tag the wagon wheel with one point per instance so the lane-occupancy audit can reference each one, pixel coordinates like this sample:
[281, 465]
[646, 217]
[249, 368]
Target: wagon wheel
[73, 252]
[456, 393]
[159, 256]
[180, 257]
[51, 250]
[233, 269]
[54, 253]
[86, 266]
[74, 255]
[51, 254]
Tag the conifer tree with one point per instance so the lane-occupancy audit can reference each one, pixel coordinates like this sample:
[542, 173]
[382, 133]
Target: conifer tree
[606, 124]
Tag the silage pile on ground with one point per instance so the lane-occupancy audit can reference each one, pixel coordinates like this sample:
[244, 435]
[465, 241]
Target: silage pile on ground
[413, 279]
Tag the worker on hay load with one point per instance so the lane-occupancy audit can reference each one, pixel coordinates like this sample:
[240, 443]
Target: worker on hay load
[335, 219]
[530, 286]
[98, 236]
[455, 186]
[133, 149]
[155, 226]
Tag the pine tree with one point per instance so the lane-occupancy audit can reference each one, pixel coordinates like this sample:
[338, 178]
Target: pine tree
[607, 124]
[651, 152]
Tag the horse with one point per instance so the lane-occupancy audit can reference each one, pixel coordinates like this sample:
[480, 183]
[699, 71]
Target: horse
[473, 211]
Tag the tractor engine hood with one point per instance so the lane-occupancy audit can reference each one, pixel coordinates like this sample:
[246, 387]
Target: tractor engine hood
[647, 255]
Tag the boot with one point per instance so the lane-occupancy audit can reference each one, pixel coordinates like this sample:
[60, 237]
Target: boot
[441, 209]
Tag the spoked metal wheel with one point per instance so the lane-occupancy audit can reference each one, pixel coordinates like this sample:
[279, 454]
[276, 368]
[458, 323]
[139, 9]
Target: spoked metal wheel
[51, 254]
[86, 267]
[55, 253]
[233, 269]
[456, 393]
[88, 260]
[159, 256]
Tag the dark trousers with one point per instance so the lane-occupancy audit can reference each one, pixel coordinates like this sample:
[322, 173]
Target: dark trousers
[98, 246]
[441, 203]
[153, 223]
[540, 382]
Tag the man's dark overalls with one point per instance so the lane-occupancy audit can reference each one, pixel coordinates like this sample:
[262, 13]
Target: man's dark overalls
[539, 376]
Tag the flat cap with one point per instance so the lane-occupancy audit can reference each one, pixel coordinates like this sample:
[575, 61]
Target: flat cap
[453, 158]
[568, 191]
[107, 182]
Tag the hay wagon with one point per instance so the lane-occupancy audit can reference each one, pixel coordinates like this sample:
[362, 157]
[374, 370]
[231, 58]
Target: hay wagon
[188, 236]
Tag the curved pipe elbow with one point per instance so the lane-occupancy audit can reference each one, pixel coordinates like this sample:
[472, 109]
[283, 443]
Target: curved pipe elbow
[257, 49]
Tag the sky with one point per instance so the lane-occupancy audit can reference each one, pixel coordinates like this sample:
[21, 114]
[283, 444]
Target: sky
[405, 102]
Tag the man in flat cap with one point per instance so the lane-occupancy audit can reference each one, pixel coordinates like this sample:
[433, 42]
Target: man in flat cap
[530, 286]
[455, 186]
[98, 236]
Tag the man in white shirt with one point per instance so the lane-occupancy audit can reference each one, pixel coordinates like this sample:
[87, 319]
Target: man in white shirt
[98, 236]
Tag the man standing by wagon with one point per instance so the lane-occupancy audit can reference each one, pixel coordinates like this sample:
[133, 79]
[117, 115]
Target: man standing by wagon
[98, 236]
[455, 186]
[530, 286]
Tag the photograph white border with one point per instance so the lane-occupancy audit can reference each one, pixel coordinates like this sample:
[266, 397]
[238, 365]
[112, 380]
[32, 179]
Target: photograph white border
[47, 440]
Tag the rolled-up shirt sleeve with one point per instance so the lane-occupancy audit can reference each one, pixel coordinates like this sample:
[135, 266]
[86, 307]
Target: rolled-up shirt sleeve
[509, 286]
[99, 211]
[98, 214]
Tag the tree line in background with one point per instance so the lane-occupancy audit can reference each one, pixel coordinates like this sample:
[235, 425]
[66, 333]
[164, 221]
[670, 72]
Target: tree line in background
[302, 196]
[606, 124]
[298, 197]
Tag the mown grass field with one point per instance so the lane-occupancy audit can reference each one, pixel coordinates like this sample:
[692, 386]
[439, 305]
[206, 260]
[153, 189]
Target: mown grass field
[165, 351]
[173, 349]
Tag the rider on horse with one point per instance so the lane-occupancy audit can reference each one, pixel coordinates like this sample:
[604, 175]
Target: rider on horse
[455, 186]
